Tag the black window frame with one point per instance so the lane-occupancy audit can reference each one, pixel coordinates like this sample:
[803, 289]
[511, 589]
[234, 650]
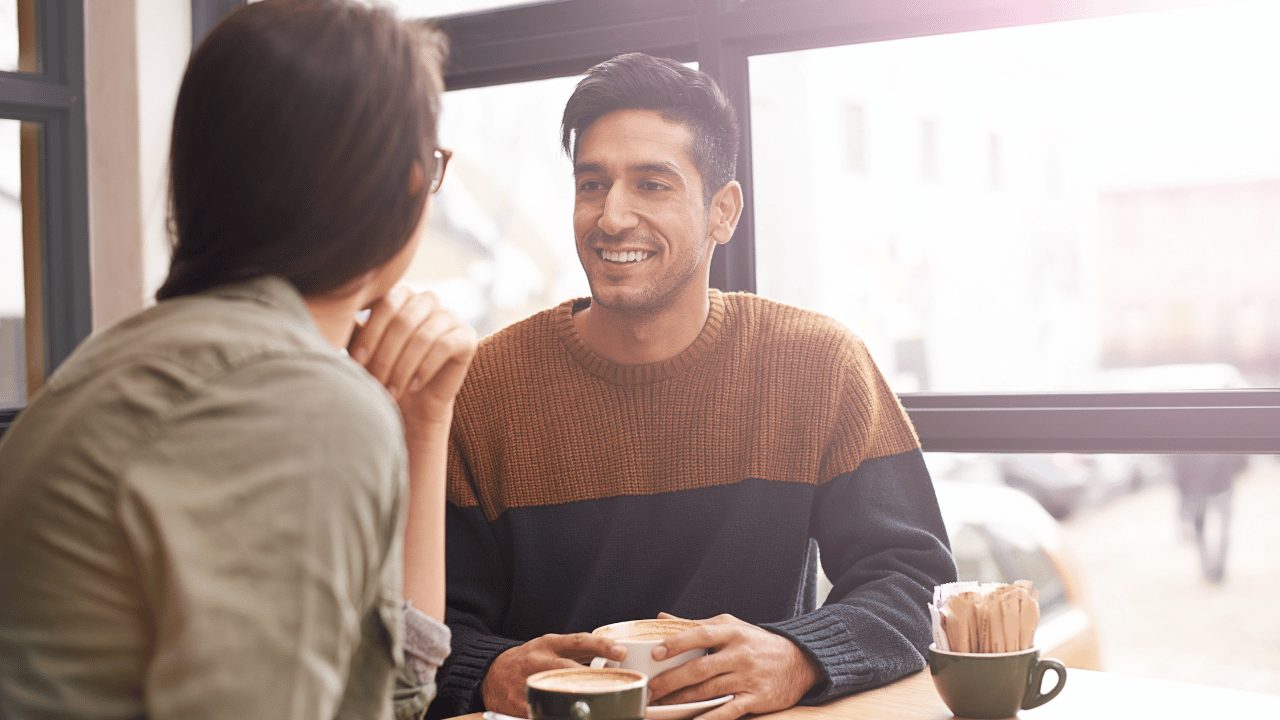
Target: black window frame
[556, 38]
[53, 96]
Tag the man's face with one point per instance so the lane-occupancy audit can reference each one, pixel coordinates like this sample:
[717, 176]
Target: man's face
[638, 214]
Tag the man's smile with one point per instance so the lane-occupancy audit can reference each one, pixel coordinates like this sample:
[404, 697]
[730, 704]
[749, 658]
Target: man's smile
[624, 257]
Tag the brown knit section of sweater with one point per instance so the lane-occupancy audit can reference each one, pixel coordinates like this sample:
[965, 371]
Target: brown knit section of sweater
[766, 391]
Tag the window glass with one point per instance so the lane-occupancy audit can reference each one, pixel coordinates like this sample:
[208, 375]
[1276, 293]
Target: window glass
[9, 35]
[499, 244]
[13, 379]
[975, 560]
[1004, 211]
[1146, 564]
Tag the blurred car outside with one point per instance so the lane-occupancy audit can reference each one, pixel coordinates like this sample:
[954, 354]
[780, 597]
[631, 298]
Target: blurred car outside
[1060, 482]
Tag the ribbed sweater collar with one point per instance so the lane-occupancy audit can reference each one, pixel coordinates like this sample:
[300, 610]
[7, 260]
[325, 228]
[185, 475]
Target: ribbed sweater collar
[621, 374]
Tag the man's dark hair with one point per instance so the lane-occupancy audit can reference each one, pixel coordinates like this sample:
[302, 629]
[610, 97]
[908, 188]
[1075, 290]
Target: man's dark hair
[297, 130]
[636, 81]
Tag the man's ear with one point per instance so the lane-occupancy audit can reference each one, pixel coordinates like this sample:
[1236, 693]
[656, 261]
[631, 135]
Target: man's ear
[726, 210]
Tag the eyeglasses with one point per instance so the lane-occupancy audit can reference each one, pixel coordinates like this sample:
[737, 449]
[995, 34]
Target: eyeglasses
[441, 158]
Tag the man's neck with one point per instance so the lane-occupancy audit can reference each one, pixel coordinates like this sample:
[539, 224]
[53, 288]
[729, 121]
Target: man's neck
[641, 338]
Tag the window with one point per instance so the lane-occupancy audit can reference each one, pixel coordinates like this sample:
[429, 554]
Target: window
[13, 364]
[500, 242]
[1131, 528]
[17, 19]
[44, 254]
[1149, 268]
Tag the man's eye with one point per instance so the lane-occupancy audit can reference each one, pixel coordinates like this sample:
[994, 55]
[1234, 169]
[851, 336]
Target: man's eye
[653, 186]
[590, 186]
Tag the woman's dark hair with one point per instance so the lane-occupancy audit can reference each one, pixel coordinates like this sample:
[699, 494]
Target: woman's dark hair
[636, 81]
[297, 130]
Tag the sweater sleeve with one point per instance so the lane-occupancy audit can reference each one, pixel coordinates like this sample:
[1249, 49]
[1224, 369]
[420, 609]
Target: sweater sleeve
[881, 540]
[426, 645]
[478, 587]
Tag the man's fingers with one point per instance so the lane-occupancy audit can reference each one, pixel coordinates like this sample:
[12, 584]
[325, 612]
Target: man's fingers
[557, 663]
[737, 707]
[717, 686]
[580, 644]
[690, 675]
[704, 636]
[380, 315]
[724, 619]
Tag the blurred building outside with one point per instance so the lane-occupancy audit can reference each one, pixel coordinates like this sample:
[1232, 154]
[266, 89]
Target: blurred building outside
[998, 211]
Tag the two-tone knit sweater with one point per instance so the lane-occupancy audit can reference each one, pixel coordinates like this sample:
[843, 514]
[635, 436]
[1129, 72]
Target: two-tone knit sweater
[584, 492]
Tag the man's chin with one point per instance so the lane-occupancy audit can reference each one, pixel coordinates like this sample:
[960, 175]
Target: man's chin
[623, 299]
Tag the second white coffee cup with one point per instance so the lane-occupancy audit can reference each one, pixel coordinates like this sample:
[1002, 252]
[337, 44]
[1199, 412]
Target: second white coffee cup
[640, 637]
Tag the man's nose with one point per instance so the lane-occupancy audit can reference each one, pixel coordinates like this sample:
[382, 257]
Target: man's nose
[618, 216]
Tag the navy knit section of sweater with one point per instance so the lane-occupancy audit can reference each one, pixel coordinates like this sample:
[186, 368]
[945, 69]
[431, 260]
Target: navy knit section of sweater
[578, 565]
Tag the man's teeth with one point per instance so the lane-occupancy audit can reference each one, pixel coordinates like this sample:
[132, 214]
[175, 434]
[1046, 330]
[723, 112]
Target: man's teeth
[625, 257]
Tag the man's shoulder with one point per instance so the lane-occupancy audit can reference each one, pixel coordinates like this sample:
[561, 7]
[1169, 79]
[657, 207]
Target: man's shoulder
[768, 322]
[512, 349]
[538, 326]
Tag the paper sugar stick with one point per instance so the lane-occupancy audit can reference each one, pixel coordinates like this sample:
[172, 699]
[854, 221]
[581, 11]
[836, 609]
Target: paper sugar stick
[1029, 586]
[966, 631]
[1029, 615]
[953, 634]
[995, 620]
[939, 628]
[986, 640]
[1011, 615]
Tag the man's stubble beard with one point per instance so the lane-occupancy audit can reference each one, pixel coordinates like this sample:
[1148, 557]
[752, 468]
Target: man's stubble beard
[651, 299]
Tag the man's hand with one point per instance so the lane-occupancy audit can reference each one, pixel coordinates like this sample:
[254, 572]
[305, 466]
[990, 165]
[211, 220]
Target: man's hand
[764, 671]
[418, 350]
[503, 686]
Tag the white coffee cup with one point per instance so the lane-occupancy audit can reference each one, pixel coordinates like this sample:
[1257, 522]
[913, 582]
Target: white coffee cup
[640, 637]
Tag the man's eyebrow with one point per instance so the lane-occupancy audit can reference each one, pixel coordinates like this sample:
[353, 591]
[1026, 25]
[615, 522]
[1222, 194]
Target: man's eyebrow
[659, 168]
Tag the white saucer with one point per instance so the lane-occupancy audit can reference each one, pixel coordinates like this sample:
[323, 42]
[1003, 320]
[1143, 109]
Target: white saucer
[683, 710]
[653, 712]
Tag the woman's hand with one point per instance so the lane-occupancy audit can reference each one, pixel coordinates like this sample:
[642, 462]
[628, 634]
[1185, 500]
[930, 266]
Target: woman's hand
[419, 351]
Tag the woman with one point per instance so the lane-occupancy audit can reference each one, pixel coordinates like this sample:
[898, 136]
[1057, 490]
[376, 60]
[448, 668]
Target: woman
[202, 512]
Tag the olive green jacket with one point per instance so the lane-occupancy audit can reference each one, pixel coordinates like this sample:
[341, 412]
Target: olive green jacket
[201, 517]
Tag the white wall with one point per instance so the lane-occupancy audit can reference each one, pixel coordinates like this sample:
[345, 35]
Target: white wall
[135, 53]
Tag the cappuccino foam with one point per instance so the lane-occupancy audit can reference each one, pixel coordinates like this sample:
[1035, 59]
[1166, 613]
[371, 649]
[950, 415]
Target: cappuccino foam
[645, 630]
[586, 680]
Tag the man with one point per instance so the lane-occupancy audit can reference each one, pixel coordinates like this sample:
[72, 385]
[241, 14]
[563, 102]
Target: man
[1205, 484]
[663, 447]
